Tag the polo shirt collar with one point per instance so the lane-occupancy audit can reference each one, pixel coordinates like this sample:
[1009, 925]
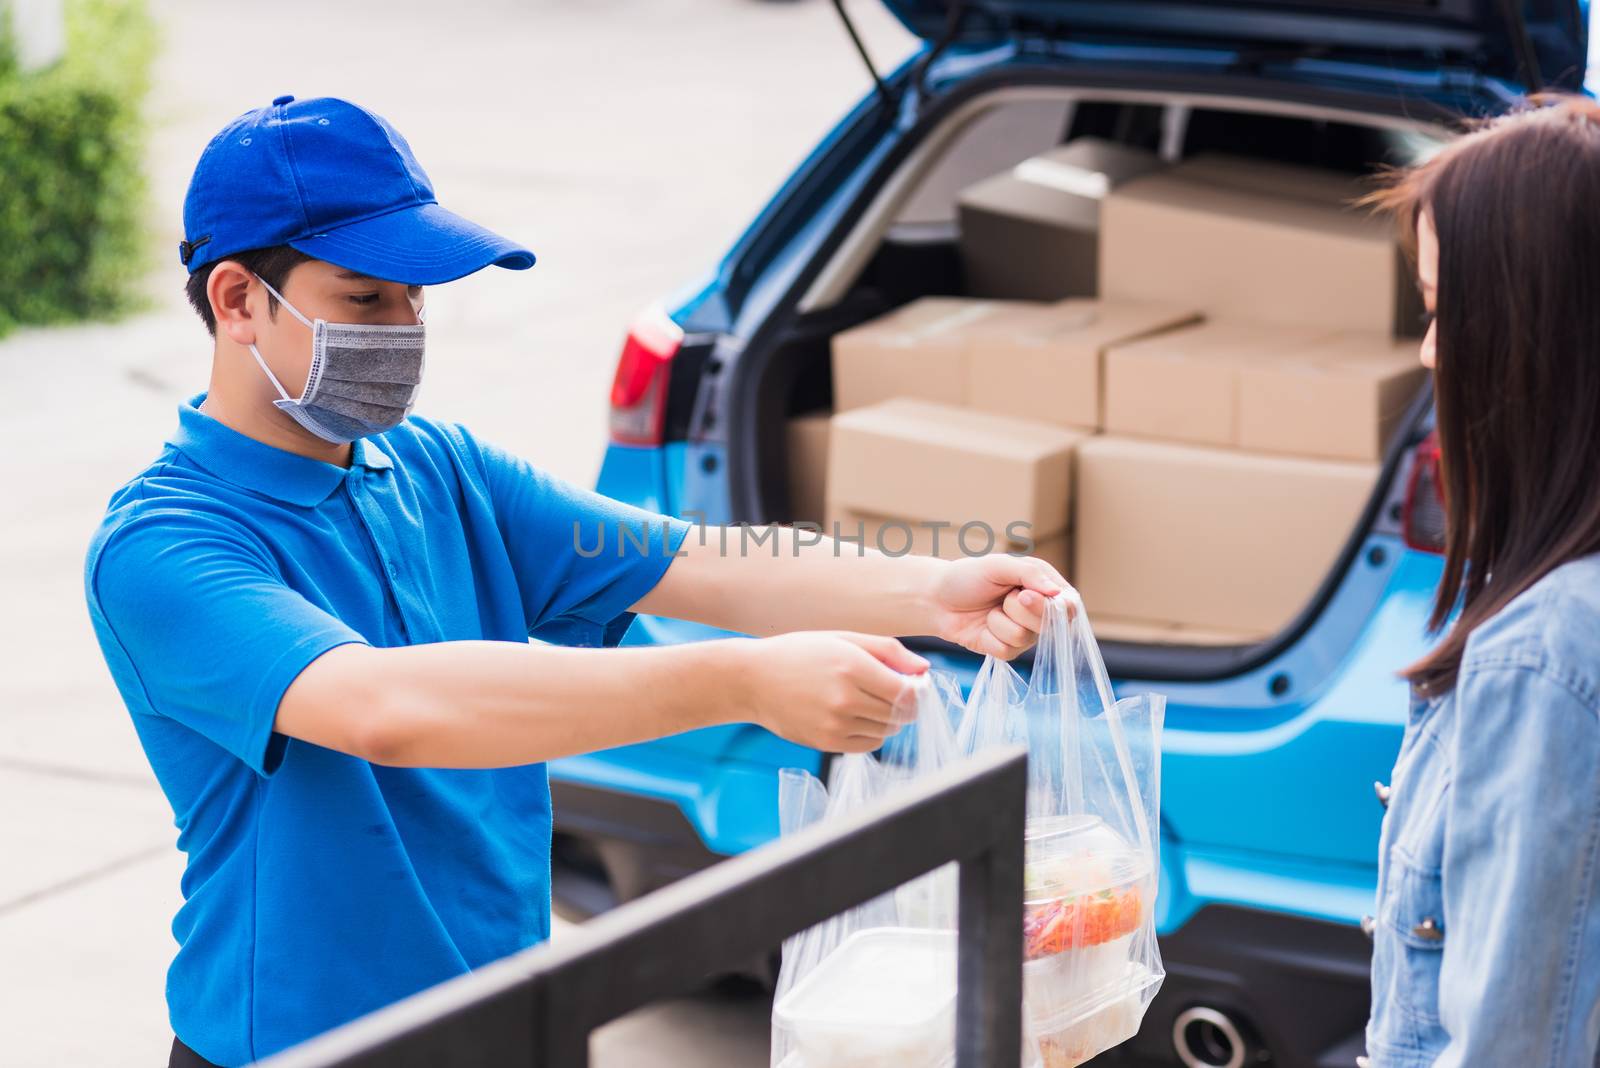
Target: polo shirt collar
[257, 466]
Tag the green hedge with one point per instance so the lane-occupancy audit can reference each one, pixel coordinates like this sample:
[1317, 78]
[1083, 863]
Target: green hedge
[73, 241]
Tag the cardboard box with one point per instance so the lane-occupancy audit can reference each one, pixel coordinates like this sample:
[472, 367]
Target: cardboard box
[918, 350]
[920, 460]
[1262, 242]
[1209, 538]
[1116, 629]
[1342, 399]
[1035, 361]
[1186, 385]
[1269, 177]
[1048, 364]
[898, 536]
[807, 443]
[1032, 233]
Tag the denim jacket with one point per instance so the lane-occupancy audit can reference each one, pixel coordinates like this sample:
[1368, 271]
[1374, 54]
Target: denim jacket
[1486, 943]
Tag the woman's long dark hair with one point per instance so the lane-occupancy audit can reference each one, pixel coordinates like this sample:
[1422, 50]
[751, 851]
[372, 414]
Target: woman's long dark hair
[1516, 207]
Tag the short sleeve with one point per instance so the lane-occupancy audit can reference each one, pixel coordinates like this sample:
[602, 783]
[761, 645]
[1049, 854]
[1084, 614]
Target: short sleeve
[199, 627]
[581, 559]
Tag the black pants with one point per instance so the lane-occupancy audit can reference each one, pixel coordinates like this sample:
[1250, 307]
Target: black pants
[184, 1057]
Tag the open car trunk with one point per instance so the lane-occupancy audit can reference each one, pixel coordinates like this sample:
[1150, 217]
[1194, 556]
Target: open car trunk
[913, 250]
[1536, 44]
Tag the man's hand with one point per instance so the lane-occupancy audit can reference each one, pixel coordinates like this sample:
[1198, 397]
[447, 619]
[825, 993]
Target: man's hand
[995, 605]
[830, 690]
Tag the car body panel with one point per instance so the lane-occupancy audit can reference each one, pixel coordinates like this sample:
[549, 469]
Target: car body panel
[1245, 770]
[636, 475]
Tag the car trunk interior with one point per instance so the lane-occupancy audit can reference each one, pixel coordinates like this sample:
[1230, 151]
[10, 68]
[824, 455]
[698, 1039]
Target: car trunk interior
[912, 249]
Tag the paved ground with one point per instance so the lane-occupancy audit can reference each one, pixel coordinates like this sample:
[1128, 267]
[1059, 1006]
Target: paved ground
[627, 141]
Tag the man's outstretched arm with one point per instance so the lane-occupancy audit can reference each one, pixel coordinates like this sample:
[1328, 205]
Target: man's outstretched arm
[479, 704]
[772, 580]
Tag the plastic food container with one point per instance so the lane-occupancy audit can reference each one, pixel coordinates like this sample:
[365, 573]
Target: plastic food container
[1085, 894]
[1083, 888]
[885, 997]
[1077, 1035]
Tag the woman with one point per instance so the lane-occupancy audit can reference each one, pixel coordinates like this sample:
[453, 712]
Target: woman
[1487, 937]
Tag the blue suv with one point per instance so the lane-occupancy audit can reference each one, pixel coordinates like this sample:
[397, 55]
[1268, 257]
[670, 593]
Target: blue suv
[1273, 749]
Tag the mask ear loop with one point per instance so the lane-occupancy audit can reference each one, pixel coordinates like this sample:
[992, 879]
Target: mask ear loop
[270, 376]
[316, 351]
[292, 309]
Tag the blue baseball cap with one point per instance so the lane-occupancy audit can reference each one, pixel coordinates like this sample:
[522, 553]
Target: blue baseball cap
[340, 184]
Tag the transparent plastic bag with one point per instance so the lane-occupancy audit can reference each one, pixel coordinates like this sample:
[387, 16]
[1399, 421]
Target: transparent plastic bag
[855, 780]
[934, 706]
[875, 984]
[1091, 963]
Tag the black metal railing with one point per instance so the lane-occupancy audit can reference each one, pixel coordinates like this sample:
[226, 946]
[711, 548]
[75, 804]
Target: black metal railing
[537, 1007]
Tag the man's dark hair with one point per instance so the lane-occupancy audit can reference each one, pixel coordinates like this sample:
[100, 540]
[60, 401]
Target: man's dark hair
[272, 265]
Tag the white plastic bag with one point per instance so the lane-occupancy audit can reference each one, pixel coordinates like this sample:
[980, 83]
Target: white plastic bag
[935, 708]
[876, 983]
[1091, 963]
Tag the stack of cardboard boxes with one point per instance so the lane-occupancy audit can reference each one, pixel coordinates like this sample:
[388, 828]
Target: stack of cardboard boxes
[961, 419]
[1192, 448]
[1239, 452]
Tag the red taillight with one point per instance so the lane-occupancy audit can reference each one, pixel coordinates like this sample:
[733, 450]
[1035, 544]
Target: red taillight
[1423, 519]
[639, 390]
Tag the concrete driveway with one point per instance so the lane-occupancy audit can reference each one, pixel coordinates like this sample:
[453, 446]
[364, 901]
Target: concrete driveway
[626, 141]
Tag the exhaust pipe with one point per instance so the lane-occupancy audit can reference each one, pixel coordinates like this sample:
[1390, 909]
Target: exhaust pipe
[1207, 1037]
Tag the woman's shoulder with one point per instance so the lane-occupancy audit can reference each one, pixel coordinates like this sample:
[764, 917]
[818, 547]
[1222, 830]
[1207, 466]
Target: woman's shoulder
[1550, 629]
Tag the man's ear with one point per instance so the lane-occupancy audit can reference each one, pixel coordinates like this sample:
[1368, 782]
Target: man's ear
[228, 290]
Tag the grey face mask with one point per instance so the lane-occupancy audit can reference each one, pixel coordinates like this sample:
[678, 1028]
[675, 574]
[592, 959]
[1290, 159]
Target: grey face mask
[363, 379]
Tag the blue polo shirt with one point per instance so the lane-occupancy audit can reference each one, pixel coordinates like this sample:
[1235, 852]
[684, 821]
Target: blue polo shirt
[318, 886]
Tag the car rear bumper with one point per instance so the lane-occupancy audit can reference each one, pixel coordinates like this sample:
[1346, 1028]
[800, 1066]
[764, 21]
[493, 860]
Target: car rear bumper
[1294, 991]
[613, 846]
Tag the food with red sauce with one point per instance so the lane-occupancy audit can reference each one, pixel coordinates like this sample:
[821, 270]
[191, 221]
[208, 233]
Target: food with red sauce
[1089, 919]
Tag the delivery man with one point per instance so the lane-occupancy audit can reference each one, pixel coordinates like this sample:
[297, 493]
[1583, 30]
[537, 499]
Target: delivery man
[317, 608]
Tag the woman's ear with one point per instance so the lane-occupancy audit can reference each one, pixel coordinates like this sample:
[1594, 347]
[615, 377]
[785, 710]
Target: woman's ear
[228, 290]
